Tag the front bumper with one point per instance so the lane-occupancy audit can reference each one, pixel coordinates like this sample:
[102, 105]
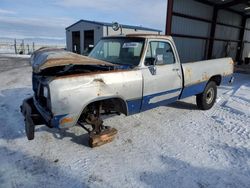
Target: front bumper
[34, 115]
[31, 117]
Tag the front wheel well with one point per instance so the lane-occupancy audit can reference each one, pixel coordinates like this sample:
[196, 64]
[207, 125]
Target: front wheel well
[108, 106]
[217, 79]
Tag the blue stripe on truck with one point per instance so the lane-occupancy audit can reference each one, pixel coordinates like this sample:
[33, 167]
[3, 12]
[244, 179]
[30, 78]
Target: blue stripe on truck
[195, 89]
[138, 105]
[146, 105]
[191, 90]
[134, 106]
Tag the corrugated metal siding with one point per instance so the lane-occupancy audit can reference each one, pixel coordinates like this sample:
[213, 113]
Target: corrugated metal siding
[229, 18]
[190, 49]
[228, 33]
[224, 49]
[190, 27]
[248, 23]
[246, 50]
[225, 32]
[221, 49]
[98, 33]
[193, 49]
[193, 8]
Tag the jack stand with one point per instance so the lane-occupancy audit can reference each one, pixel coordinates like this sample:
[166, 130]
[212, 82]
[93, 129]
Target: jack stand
[104, 137]
[100, 134]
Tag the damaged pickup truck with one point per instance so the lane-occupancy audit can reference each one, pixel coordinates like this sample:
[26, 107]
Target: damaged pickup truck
[122, 75]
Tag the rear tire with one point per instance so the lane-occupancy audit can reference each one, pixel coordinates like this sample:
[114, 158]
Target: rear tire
[206, 100]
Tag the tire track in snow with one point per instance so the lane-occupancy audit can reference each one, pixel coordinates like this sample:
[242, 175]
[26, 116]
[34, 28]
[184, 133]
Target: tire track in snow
[232, 119]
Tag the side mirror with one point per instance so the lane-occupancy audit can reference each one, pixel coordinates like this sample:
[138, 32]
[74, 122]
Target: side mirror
[158, 60]
[152, 69]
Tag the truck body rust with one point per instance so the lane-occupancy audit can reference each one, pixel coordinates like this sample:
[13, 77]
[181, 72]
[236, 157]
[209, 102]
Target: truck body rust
[45, 58]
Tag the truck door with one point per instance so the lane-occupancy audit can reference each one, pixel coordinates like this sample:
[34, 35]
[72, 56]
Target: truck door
[162, 75]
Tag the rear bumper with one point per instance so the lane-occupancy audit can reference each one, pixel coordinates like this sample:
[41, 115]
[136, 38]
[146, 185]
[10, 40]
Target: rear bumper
[227, 80]
[231, 80]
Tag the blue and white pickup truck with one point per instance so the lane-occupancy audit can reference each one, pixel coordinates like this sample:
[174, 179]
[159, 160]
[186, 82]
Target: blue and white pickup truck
[123, 74]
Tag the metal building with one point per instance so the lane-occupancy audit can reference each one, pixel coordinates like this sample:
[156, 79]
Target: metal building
[83, 35]
[206, 29]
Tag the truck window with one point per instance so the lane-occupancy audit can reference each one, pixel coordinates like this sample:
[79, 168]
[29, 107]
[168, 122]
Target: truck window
[162, 49]
[120, 50]
[111, 49]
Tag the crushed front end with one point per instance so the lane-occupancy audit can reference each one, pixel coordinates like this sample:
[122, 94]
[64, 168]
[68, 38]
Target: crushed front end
[37, 109]
[58, 88]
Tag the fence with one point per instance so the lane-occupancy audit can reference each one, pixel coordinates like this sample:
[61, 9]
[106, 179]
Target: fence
[22, 47]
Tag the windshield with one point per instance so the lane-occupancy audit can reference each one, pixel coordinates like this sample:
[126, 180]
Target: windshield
[121, 51]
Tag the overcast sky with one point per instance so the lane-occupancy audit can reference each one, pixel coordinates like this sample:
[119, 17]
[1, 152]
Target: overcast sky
[48, 18]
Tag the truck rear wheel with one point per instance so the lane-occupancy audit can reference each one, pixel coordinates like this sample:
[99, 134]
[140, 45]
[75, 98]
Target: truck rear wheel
[206, 100]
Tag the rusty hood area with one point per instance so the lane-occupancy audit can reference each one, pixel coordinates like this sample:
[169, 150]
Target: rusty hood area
[45, 58]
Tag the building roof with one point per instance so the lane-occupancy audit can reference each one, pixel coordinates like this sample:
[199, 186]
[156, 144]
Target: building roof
[110, 24]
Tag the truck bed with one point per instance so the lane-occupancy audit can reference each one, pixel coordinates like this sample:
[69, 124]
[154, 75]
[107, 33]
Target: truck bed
[197, 74]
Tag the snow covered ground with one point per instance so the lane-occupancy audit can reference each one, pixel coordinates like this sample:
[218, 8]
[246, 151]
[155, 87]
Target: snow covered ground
[11, 55]
[170, 146]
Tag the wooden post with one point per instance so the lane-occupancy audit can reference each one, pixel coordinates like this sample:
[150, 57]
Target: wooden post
[15, 46]
[23, 47]
[28, 49]
[33, 47]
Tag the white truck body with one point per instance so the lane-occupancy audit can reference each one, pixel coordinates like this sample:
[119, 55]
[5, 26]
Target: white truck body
[135, 89]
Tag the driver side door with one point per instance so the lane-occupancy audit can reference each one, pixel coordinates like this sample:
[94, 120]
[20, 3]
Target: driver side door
[162, 75]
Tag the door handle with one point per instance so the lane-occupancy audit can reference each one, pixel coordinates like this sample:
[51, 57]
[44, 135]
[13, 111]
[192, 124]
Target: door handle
[176, 69]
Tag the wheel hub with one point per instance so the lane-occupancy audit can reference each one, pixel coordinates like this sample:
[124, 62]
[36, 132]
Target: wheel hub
[210, 96]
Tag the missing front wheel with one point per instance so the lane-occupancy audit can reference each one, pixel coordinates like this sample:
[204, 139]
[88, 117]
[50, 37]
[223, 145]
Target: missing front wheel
[98, 134]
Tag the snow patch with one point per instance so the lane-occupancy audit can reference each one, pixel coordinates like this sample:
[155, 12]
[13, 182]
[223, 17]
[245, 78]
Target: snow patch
[170, 146]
